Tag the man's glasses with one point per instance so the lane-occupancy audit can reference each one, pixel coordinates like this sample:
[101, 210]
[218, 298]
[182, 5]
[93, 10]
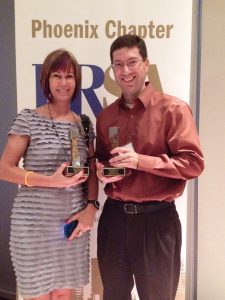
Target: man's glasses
[130, 64]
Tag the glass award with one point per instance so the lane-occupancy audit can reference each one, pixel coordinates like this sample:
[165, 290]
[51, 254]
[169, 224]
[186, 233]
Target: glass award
[75, 165]
[114, 139]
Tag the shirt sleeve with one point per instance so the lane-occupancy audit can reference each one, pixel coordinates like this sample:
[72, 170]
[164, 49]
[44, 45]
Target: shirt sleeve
[101, 150]
[20, 125]
[184, 159]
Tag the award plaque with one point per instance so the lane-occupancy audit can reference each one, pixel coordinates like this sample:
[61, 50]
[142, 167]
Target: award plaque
[75, 166]
[114, 139]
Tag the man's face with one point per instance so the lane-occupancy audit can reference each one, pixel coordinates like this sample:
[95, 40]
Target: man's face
[130, 71]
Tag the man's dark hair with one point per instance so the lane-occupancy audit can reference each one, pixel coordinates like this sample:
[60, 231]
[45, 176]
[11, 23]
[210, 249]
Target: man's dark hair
[129, 41]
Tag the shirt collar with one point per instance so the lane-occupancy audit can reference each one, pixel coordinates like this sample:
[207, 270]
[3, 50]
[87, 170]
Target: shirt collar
[144, 98]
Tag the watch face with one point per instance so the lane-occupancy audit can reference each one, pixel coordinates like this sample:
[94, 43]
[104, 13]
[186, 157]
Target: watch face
[95, 203]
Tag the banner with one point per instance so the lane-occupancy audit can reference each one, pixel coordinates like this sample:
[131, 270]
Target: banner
[87, 29]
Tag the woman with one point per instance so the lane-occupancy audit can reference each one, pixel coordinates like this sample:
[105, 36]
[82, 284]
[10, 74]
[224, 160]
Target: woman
[46, 264]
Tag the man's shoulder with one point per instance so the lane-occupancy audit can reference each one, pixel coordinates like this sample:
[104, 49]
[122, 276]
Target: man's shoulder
[109, 109]
[159, 99]
[167, 101]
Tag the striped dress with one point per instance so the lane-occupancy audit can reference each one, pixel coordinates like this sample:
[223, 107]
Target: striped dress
[42, 258]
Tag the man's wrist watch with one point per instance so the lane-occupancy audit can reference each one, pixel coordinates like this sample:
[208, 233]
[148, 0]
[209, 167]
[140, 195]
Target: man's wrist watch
[94, 202]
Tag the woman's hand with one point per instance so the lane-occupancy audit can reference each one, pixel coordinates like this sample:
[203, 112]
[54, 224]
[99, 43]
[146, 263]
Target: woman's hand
[58, 180]
[85, 220]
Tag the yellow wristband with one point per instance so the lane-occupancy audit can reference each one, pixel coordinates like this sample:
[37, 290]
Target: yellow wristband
[25, 178]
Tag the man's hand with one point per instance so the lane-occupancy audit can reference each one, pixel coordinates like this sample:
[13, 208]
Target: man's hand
[106, 179]
[124, 157]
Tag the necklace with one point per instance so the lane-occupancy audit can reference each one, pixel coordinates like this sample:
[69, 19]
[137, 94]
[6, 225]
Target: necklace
[57, 134]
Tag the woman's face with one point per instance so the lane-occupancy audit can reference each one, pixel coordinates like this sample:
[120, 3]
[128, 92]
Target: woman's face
[62, 85]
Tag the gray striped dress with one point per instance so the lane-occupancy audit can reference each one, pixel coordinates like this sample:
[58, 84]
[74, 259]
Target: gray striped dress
[42, 258]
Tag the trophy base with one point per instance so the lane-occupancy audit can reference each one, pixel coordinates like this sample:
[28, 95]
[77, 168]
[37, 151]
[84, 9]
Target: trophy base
[110, 171]
[71, 171]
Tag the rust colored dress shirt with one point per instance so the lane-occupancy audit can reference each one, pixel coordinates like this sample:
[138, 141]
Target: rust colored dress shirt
[162, 131]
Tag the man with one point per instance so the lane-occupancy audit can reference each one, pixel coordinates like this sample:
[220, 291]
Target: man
[139, 233]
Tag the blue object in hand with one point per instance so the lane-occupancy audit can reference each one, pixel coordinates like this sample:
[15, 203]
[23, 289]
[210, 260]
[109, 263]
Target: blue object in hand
[69, 228]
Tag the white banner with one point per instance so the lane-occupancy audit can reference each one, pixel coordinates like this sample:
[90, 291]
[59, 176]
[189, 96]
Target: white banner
[87, 29]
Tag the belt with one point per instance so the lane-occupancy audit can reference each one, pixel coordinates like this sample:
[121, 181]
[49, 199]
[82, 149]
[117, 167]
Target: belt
[131, 207]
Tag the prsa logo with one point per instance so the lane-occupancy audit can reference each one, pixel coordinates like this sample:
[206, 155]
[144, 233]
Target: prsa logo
[99, 78]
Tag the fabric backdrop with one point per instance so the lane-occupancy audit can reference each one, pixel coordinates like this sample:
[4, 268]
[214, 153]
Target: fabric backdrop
[87, 29]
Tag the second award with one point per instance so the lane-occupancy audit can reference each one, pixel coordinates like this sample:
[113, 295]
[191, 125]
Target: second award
[75, 166]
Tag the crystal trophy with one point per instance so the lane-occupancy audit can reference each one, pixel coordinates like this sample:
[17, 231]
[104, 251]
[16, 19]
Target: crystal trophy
[114, 139]
[75, 165]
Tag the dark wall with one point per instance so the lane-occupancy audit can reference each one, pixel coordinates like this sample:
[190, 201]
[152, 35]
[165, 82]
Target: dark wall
[8, 109]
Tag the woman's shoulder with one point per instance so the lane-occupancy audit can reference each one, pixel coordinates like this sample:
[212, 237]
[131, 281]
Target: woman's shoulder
[35, 113]
[26, 112]
[42, 110]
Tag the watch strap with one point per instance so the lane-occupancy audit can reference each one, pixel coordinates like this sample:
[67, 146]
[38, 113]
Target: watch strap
[94, 202]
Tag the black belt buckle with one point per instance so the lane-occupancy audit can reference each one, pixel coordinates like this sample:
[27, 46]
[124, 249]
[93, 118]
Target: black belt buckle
[130, 208]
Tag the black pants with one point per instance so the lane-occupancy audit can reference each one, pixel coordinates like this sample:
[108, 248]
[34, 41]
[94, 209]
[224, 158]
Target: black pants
[144, 246]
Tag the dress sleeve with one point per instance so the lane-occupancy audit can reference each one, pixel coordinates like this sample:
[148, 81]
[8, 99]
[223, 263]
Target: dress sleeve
[20, 125]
